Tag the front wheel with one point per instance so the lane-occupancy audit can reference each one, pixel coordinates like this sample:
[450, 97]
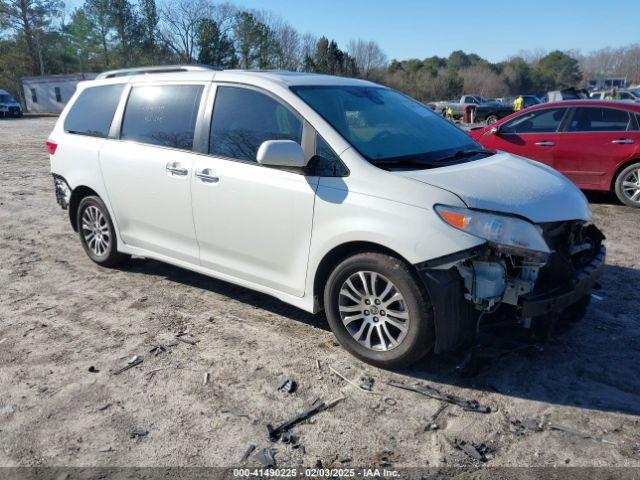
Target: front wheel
[379, 311]
[97, 234]
[492, 119]
[627, 186]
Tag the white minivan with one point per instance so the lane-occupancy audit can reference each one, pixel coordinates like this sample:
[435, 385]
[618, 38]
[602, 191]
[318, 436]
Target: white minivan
[327, 193]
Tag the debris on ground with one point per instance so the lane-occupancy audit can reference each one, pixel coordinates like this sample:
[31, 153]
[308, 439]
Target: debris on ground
[93, 369]
[480, 452]
[528, 424]
[132, 363]
[180, 337]
[433, 423]
[5, 339]
[290, 439]
[247, 453]
[358, 386]
[287, 385]
[266, 457]
[344, 459]
[205, 380]
[392, 402]
[104, 407]
[469, 405]
[157, 350]
[275, 433]
[366, 383]
[578, 433]
[138, 433]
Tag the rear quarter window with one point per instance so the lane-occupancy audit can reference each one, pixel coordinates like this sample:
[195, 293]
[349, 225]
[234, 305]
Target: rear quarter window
[92, 112]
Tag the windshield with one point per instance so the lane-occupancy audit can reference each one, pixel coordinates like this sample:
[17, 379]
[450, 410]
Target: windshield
[4, 98]
[385, 126]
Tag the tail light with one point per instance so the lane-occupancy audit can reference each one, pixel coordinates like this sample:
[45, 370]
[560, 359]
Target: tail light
[51, 147]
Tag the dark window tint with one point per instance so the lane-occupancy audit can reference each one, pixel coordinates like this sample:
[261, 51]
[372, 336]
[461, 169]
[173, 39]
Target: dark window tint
[599, 120]
[326, 163]
[34, 96]
[538, 121]
[244, 118]
[162, 115]
[92, 112]
[58, 95]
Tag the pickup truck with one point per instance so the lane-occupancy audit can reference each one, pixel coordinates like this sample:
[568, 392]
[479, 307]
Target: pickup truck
[474, 109]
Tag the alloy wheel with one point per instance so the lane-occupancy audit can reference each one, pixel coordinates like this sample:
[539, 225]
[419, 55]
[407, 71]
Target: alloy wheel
[631, 185]
[95, 230]
[373, 311]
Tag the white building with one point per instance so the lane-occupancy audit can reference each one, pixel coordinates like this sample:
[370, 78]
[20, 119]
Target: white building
[50, 93]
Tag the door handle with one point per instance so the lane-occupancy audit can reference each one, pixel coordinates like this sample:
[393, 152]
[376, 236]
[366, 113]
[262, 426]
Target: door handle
[207, 175]
[623, 141]
[175, 169]
[545, 144]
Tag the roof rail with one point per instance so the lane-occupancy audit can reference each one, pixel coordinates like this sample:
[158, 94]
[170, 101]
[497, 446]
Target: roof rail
[126, 72]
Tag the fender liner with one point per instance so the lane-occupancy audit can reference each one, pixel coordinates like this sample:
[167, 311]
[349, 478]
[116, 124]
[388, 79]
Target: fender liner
[454, 317]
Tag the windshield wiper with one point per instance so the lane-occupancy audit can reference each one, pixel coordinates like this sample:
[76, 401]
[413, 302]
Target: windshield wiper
[404, 162]
[465, 153]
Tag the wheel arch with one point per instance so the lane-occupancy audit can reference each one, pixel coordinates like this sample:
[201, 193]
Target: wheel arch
[77, 195]
[337, 254]
[619, 169]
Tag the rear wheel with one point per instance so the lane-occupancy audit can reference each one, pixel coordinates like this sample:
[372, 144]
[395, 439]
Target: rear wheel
[627, 186]
[491, 119]
[97, 233]
[378, 310]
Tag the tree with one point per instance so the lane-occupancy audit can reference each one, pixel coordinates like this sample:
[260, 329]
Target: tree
[124, 20]
[328, 58]
[80, 38]
[180, 21]
[30, 18]
[215, 48]
[368, 56]
[97, 13]
[256, 44]
[558, 70]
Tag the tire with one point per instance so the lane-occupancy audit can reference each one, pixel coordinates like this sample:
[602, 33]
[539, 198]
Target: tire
[626, 192]
[491, 119]
[577, 311]
[389, 346]
[97, 235]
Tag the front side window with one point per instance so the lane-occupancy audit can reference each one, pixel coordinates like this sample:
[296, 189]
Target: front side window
[538, 121]
[92, 112]
[387, 127]
[244, 118]
[590, 119]
[162, 115]
[326, 162]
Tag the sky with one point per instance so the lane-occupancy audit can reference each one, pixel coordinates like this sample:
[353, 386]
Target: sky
[494, 29]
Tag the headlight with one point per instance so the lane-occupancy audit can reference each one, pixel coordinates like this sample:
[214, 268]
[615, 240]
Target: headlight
[498, 229]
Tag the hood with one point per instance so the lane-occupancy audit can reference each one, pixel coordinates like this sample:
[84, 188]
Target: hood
[10, 103]
[510, 184]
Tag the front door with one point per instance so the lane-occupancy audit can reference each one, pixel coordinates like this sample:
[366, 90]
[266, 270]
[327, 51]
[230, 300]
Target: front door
[252, 222]
[532, 135]
[147, 171]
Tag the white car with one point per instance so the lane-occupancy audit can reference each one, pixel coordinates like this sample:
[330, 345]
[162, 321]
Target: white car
[327, 193]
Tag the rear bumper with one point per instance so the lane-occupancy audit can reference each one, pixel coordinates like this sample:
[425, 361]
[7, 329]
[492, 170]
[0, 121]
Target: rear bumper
[534, 305]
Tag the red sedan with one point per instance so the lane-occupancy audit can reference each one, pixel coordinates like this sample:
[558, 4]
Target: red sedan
[594, 143]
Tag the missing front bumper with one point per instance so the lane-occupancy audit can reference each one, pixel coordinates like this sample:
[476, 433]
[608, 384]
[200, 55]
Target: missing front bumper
[534, 305]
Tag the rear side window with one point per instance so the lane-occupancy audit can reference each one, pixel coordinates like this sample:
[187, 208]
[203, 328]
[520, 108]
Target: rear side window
[589, 119]
[162, 115]
[244, 118]
[538, 121]
[93, 111]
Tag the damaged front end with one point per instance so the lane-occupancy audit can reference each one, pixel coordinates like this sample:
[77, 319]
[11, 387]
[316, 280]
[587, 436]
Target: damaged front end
[528, 285]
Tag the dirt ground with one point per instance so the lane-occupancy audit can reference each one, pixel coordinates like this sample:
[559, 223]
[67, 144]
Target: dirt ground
[61, 315]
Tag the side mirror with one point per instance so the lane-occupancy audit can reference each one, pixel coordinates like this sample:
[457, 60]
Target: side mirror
[493, 131]
[281, 153]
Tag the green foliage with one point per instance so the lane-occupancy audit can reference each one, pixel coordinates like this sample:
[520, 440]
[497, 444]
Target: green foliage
[215, 47]
[329, 59]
